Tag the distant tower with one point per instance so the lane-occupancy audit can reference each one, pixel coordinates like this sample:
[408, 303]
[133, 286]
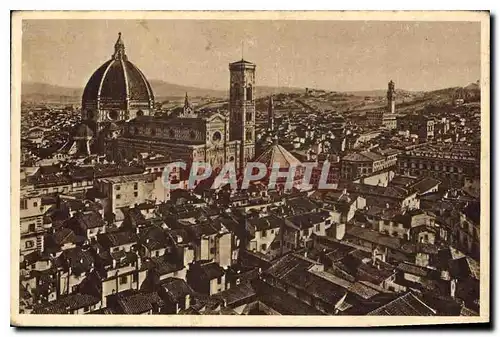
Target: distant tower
[391, 98]
[242, 107]
[270, 114]
[188, 108]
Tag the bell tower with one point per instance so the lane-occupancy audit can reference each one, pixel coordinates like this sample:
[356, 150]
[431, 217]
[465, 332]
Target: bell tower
[391, 98]
[242, 108]
[270, 114]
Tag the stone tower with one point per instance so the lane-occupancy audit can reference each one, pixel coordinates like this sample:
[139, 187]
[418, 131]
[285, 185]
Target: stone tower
[242, 108]
[391, 98]
[270, 114]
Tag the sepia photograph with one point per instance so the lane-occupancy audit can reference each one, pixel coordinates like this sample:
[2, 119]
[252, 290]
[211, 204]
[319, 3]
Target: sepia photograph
[281, 168]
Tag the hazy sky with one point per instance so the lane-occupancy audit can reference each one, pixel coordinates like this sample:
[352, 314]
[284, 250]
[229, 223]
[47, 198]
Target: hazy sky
[335, 55]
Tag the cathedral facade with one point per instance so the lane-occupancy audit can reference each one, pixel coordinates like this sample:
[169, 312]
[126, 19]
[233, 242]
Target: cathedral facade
[118, 112]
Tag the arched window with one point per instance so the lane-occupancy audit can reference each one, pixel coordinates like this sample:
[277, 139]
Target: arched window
[249, 93]
[235, 91]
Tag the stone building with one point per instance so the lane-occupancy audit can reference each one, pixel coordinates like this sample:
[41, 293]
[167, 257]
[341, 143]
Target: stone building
[419, 125]
[204, 139]
[451, 165]
[116, 91]
[118, 112]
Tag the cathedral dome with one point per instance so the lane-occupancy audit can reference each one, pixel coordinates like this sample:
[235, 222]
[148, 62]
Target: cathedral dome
[117, 84]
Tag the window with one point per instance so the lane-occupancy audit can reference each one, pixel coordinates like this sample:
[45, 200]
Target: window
[118, 196]
[316, 227]
[235, 91]
[263, 246]
[219, 280]
[135, 277]
[123, 279]
[117, 187]
[24, 204]
[249, 93]
[136, 194]
[29, 244]
[31, 227]
[264, 233]
[249, 135]
[35, 204]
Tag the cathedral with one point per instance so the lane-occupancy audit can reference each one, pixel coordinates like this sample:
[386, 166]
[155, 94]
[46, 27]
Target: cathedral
[118, 118]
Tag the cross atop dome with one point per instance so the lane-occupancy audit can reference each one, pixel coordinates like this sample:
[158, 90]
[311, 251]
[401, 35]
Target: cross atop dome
[119, 48]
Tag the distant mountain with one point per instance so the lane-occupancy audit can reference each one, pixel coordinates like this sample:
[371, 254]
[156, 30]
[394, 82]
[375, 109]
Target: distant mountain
[48, 92]
[380, 93]
[163, 90]
[473, 87]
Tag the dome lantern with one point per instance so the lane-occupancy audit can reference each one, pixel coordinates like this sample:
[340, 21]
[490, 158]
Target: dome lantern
[119, 49]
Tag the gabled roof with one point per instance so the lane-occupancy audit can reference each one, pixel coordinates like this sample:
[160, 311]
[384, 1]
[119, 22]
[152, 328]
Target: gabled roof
[176, 289]
[267, 222]
[238, 294]
[89, 220]
[426, 184]
[277, 154]
[114, 239]
[406, 305]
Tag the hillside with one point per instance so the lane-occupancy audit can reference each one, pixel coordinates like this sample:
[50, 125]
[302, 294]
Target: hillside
[43, 92]
[163, 90]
